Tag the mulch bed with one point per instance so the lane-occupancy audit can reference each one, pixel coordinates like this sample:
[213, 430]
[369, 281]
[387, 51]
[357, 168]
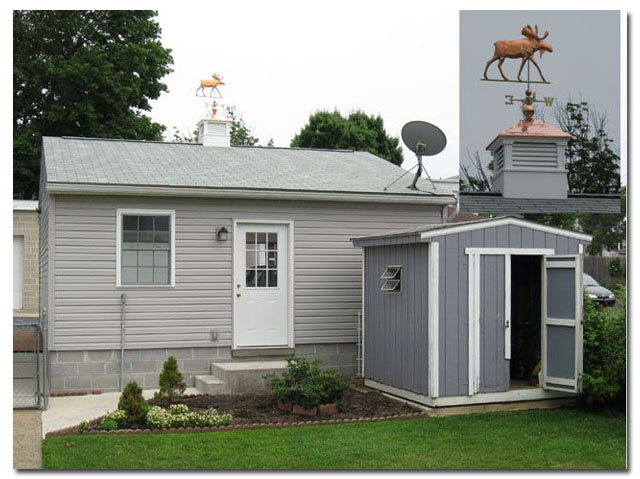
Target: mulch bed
[263, 408]
[251, 411]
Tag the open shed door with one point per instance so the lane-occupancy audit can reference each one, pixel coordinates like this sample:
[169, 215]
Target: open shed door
[562, 322]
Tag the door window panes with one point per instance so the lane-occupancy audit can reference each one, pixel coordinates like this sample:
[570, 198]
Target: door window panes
[261, 263]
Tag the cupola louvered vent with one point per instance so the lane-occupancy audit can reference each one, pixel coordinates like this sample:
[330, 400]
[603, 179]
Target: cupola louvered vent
[529, 154]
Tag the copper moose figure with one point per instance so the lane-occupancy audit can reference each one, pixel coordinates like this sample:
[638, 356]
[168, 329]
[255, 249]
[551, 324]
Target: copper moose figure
[214, 83]
[523, 48]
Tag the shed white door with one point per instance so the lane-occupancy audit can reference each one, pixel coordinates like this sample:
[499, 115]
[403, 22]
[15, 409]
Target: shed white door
[18, 271]
[562, 322]
[261, 285]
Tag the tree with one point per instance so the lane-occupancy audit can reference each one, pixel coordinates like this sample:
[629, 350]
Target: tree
[82, 73]
[608, 230]
[592, 166]
[358, 131]
[481, 181]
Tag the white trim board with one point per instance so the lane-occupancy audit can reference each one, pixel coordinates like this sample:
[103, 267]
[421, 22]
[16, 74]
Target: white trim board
[310, 195]
[503, 222]
[529, 394]
[433, 336]
[510, 251]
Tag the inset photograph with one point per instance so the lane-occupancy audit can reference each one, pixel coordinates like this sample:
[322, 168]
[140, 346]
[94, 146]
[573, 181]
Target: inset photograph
[540, 120]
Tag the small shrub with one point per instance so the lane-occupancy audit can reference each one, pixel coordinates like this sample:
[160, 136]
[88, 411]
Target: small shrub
[109, 425]
[178, 409]
[171, 382]
[159, 418]
[133, 403]
[604, 364]
[616, 268]
[83, 427]
[305, 384]
[119, 416]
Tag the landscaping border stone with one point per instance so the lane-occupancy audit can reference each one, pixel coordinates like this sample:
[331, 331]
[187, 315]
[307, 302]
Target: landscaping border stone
[73, 430]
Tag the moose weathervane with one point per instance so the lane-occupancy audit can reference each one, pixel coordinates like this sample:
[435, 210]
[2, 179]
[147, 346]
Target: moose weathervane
[213, 83]
[525, 48]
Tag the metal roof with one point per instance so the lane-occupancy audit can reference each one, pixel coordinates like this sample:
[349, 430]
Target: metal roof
[494, 203]
[88, 161]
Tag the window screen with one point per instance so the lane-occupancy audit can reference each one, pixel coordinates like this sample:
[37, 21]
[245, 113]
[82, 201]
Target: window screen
[392, 277]
[146, 249]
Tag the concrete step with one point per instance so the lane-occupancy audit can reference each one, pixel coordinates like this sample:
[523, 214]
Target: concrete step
[247, 376]
[208, 384]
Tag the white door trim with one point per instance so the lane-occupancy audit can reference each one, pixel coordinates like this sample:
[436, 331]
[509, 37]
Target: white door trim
[290, 276]
[573, 261]
[474, 303]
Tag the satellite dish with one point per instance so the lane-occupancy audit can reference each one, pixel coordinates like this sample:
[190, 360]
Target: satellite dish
[424, 139]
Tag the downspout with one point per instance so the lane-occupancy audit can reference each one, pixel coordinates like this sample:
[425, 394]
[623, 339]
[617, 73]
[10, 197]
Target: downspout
[123, 302]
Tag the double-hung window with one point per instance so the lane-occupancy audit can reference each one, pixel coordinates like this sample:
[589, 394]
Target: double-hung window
[146, 248]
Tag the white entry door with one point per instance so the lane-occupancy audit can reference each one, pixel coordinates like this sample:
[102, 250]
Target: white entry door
[18, 271]
[562, 322]
[261, 285]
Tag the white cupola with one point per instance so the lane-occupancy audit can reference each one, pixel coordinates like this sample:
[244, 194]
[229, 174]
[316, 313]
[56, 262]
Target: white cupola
[214, 132]
[529, 161]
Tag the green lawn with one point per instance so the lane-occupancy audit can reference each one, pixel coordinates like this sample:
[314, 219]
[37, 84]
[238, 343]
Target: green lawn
[560, 438]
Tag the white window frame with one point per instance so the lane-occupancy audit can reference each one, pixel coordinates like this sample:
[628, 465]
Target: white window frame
[120, 212]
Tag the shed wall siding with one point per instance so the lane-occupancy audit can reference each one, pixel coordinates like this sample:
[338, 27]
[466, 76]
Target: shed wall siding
[396, 324]
[454, 299]
[327, 284]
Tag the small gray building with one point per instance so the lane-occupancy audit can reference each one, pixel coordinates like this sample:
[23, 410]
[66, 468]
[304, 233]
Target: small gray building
[466, 313]
[208, 252]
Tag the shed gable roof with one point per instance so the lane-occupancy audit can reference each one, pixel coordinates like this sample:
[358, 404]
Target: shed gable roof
[76, 161]
[431, 231]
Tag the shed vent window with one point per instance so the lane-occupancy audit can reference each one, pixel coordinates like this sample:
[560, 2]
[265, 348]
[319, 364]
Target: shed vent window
[392, 277]
[145, 249]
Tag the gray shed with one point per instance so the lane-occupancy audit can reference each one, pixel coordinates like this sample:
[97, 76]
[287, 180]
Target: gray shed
[464, 313]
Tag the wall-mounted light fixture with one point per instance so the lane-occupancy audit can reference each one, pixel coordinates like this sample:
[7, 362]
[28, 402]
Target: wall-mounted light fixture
[222, 234]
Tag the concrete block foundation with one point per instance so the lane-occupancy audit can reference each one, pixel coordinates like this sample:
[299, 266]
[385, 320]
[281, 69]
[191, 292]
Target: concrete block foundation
[91, 370]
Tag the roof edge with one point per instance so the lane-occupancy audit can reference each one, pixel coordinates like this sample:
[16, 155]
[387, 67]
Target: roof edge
[506, 220]
[184, 191]
[475, 225]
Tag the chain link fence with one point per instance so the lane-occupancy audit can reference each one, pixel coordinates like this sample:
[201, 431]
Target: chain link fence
[28, 364]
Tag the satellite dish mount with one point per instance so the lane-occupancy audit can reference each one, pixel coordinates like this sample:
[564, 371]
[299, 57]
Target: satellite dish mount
[424, 139]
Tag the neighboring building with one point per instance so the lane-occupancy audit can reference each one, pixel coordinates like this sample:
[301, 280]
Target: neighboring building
[451, 184]
[217, 252]
[25, 259]
[468, 313]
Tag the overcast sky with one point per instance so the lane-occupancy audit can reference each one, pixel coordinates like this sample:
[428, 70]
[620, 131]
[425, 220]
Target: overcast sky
[585, 65]
[284, 60]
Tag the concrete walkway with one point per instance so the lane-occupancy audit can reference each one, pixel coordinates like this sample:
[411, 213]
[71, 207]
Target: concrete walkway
[71, 410]
[27, 439]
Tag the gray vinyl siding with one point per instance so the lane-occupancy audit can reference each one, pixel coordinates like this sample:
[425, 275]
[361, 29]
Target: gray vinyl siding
[44, 205]
[396, 324]
[454, 302]
[328, 274]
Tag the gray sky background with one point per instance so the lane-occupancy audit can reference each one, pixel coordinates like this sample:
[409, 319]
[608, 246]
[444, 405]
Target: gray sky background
[584, 65]
[283, 60]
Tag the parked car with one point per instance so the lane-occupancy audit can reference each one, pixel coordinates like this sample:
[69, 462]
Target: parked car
[597, 293]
